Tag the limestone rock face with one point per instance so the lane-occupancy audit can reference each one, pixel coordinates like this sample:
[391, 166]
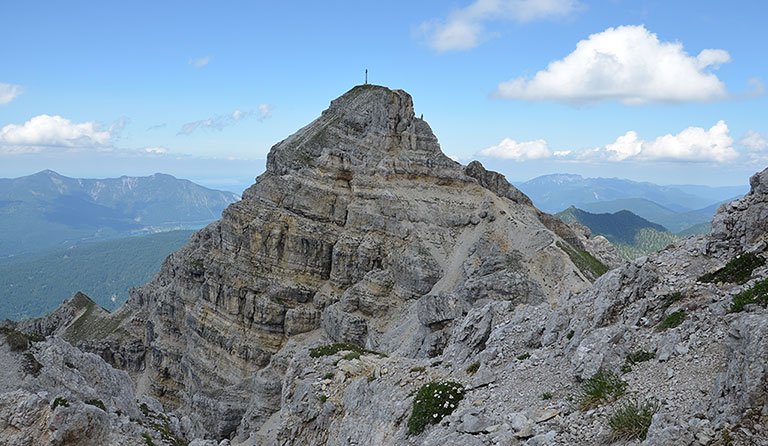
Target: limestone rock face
[358, 221]
[50, 394]
[599, 246]
[742, 223]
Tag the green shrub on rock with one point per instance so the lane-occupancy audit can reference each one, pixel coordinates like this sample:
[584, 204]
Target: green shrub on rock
[672, 321]
[738, 270]
[332, 349]
[632, 420]
[432, 402]
[59, 401]
[603, 386]
[758, 294]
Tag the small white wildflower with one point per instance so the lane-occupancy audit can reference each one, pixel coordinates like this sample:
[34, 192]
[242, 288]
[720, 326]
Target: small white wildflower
[453, 405]
[434, 415]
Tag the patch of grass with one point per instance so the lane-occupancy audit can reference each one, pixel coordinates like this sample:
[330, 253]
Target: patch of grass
[90, 326]
[524, 356]
[17, 340]
[758, 294]
[96, 403]
[672, 321]
[323, 398]
[332, 349]
[418, 369]
[31, 364]
[738, 270]
[447, 365]
[59, 401]
[632, 420]
[472, 369]
[371, 377]
[436, 363]
[546, 396]
[432, 402]
[570, 334]
[351, 355]
[584, 261]
[329, 375]
[603, 386]
[145, 409]
[148, 439]
[636, 358]
[671, 298]
[639, 356]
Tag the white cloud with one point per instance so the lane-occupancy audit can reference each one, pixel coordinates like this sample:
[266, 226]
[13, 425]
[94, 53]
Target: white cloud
[754, 141]
[155, 150]
[627, 64]
[46, 131]
[694, 144]
[9, 92]
[465, 28]
[265, 111]
[518, 151]
[200, 62]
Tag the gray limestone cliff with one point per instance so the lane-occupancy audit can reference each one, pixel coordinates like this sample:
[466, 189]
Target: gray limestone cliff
[359, 231]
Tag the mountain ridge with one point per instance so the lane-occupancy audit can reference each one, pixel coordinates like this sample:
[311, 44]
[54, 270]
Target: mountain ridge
[47, 210]
[578, 191]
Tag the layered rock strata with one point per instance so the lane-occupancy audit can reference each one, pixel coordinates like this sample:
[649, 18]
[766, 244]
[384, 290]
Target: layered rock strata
[361, 231]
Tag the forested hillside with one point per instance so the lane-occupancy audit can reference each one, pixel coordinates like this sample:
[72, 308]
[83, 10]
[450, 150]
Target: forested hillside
[35, 284]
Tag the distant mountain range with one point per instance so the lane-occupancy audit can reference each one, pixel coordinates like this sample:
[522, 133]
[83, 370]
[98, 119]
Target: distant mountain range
[47, 210]
[654, 212]
[632, 235]
[553, 193]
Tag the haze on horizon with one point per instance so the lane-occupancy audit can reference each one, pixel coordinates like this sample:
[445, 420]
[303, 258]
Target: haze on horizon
[644, 90]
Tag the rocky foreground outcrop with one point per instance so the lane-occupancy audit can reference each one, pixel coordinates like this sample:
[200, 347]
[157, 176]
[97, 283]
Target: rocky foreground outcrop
[362, 232]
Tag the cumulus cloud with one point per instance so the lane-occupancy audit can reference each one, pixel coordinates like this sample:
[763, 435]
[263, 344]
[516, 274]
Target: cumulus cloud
[44, 131]
[465, 28]
[200, 62]
[754, 141]
[9, 92]
[518, 151]
[694, 144]
[627, 64]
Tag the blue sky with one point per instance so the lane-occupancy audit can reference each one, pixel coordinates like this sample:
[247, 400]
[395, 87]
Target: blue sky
[668, 92]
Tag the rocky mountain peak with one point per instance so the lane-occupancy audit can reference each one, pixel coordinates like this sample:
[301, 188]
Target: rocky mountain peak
[369, 129]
